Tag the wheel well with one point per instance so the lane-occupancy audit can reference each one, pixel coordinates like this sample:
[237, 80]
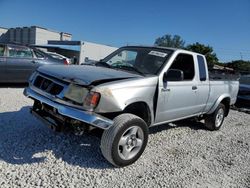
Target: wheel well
[226, 103]
[141, 110]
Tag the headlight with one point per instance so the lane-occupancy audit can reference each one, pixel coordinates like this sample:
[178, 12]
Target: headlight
[92, 100]
[76, 93]
[81, 95]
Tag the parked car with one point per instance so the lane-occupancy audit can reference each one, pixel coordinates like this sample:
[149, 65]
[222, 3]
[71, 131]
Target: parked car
[130, 90]
[17, 62]
[243, 99]
[60, 56]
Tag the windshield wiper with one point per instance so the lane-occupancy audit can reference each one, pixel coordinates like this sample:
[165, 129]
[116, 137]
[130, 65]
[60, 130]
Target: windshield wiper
[130, 68]
[102, 64]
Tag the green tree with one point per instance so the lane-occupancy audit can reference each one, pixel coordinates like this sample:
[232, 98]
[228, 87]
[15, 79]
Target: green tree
[239, 65]
[170, 41]
[205, 50]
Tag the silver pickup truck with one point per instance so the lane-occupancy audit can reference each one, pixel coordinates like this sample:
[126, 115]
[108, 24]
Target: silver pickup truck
[128, 91]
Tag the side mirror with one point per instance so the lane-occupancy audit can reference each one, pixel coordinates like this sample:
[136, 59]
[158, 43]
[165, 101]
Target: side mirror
[173, 75]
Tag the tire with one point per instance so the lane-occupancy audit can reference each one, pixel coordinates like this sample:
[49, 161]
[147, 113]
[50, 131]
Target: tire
[215, 120]
[124, 142]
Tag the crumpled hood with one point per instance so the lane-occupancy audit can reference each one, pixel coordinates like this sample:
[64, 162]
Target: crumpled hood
[83, 74]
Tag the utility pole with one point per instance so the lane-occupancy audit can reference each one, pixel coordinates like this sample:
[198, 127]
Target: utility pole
[241, 57]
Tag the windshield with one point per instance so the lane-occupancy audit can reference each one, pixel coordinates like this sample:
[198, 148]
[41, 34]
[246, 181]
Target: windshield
[138, 60]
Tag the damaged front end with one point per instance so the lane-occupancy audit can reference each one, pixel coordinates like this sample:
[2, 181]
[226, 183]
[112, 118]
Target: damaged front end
[61, 104]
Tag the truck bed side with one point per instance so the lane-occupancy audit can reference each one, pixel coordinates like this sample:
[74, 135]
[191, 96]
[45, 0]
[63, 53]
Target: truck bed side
[220, 90]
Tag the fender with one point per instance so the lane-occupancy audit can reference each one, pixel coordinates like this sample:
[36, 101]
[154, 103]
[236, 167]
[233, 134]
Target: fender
[218, 101]
[143, 100]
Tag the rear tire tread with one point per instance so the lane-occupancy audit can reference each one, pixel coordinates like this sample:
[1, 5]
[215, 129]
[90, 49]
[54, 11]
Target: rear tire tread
[210, 119]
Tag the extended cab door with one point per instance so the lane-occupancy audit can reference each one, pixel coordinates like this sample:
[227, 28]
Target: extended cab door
[19, 64]
[178, 99]
[203, 84]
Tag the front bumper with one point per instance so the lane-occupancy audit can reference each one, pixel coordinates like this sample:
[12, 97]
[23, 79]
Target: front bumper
[91, 118]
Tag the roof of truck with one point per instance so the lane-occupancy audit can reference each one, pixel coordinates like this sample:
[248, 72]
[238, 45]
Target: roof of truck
[162, 48]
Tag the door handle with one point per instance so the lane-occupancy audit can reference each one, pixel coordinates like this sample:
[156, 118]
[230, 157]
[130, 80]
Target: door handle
[194, 87]
[165, 89]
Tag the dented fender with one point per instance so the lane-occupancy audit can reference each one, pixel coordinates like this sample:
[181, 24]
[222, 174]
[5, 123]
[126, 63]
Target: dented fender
[116, 96]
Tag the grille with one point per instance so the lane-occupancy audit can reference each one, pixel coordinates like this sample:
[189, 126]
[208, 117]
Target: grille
[47, 85]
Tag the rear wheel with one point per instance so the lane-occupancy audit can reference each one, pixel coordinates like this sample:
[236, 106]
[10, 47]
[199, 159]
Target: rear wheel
[124, 142]
[214, 121]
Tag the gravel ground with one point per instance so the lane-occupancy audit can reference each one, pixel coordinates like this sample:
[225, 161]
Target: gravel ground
[179, 155]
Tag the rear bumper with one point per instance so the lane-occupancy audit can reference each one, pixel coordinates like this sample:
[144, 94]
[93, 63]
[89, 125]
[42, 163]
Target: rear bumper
[84, 116]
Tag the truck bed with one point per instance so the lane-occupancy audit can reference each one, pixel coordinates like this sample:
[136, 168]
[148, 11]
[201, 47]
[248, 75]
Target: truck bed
[223, 75]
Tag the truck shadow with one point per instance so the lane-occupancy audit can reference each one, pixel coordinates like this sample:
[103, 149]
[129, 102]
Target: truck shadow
[13, 85]
[25, 140]
[183, 123]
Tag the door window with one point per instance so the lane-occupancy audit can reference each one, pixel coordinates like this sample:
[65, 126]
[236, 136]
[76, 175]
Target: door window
[20, 52]
[185, 63]
[202, 68]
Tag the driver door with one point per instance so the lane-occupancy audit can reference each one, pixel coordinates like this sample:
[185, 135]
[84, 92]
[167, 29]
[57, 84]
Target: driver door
[177, 99]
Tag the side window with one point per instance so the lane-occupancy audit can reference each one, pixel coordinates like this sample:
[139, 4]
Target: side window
[2, 48]
[202, 68]
[20, 52]
[185, 63]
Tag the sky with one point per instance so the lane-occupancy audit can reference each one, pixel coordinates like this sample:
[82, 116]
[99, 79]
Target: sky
[222, 24]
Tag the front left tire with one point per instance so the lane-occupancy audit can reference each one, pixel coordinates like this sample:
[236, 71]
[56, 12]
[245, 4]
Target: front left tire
[124, 142]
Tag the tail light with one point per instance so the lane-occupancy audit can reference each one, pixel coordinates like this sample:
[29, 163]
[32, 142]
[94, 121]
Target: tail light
[65, 62]
[92, 100]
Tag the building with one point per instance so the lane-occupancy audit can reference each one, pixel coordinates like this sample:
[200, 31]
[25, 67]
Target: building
[94, 51]
[87, 51]
[54, 41]
[34, 35]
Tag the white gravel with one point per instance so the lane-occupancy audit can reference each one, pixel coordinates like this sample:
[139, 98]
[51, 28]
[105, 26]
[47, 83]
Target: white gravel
[187, 155]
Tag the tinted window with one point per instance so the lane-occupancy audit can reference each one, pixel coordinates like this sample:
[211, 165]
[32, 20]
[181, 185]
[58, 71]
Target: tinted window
[2, 50]
[20, 52]
[202, 68]
[185, 63]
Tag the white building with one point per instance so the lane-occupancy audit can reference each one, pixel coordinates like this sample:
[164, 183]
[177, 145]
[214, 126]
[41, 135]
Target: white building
[44, 38]
[93, 51]
[32, 35]
[85, 50]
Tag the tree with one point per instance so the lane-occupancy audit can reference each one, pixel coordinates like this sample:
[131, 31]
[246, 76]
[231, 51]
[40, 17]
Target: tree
[170, 41]
[239, 65]
[205, 50]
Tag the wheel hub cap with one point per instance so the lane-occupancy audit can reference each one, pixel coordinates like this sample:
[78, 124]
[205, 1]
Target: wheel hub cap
[130, 142]
[219, 117]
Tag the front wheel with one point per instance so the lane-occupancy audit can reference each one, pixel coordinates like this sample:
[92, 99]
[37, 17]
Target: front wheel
[214, 121]
[124, 142]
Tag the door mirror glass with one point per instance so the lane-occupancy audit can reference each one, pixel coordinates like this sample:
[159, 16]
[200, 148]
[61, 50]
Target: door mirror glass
[173, 75]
